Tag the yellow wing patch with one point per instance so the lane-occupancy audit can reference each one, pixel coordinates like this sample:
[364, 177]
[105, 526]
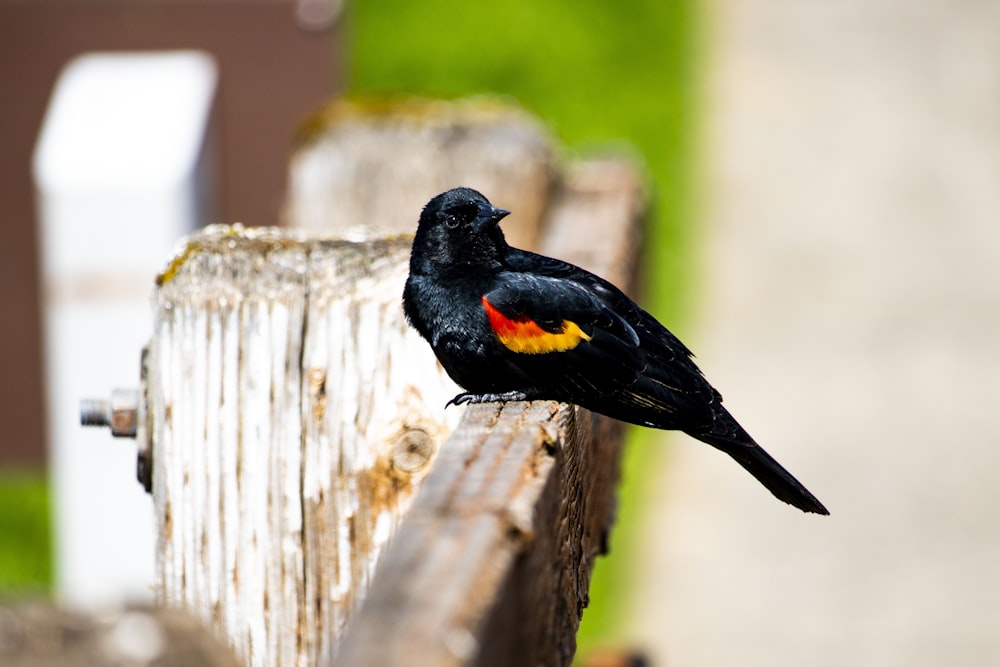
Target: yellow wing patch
[523, 335]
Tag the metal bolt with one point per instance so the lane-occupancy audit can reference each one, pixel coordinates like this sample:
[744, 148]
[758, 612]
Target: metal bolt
[121, 413]
[95, 412]
[127, 417]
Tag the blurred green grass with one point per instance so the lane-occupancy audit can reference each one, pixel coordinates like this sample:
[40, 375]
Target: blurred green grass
[596, 73]
[25, 536]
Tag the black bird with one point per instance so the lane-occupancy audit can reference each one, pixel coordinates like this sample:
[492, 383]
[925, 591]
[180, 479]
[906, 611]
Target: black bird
[508, 324]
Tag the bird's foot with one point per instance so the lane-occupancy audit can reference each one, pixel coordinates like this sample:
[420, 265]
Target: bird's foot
[462, 399]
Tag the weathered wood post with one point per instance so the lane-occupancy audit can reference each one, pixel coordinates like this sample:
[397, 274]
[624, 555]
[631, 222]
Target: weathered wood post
[293, 416]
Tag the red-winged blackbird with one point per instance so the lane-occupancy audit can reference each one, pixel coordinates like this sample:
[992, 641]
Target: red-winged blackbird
[508, 324]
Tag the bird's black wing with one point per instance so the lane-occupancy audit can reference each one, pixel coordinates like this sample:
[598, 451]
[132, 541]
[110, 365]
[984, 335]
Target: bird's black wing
[671, 382]
[578, 348]
[563, 336]
[656, 339]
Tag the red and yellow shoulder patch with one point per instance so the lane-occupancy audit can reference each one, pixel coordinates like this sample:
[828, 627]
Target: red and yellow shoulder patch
[523, 334]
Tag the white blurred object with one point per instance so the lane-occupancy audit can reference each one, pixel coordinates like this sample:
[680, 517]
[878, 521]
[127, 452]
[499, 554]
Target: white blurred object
[122, 171]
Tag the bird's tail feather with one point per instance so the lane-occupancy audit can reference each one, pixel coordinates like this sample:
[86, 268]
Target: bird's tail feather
[739, 445]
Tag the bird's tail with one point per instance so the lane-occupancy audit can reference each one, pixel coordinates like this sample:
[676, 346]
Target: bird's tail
[733, 440]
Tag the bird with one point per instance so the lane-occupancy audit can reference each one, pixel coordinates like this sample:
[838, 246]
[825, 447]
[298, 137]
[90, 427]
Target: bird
[508, 324]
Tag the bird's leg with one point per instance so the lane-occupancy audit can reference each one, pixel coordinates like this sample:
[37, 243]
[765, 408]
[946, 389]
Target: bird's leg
[488, 398]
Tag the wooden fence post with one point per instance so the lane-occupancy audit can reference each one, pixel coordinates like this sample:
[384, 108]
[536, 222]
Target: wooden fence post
[293, 413]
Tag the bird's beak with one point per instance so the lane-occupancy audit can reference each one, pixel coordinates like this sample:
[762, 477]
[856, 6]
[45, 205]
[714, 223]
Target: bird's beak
[490, 218]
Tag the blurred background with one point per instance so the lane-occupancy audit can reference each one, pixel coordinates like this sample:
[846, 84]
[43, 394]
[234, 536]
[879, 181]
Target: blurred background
[825, 237]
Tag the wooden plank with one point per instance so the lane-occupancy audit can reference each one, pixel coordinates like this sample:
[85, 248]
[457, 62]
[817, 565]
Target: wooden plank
[286, 395]
[365, 169]
[457, 545]
[373, 422]
[596, 217]
[38, 634]
[492, 564]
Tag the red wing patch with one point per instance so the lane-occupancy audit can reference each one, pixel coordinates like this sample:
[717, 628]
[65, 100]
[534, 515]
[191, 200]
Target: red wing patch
[523, 335]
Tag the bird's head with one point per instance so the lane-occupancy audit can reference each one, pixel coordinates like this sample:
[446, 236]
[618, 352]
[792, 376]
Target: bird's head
[459, 227]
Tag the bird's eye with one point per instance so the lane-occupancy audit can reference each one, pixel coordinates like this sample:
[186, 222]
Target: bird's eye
[459, 214]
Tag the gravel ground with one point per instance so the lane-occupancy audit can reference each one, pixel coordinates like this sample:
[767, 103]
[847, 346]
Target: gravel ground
[851, 316]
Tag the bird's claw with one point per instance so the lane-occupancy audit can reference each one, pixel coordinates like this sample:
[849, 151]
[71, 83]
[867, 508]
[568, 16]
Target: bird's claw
[462, 399]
